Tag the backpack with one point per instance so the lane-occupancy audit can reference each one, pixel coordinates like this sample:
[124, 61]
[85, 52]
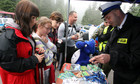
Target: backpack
[68, 26]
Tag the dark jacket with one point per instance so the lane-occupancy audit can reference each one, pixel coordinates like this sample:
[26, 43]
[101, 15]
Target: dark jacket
[53, 36]
[16, 59]
[105, 37]
[124, 49]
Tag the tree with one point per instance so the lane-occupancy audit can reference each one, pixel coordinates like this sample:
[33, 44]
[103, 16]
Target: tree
[92, 15]
[62, 8]
[87, 18]
[135, 10]
[46, 7]
[8, 5]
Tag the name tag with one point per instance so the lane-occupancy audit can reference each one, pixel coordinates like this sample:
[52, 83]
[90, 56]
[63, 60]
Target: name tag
[122, 40]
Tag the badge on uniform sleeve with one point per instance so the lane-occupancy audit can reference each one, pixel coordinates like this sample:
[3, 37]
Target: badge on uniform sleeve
[122, 40]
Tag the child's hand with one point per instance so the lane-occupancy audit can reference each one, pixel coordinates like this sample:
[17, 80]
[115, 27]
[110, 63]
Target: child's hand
[39, 50]
[40, 57]
[44, 39]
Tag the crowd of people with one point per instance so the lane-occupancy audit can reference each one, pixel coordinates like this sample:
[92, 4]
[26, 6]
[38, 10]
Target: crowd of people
[28, 46]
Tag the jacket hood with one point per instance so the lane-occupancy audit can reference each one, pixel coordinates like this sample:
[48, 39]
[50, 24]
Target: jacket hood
[12, 24]
[34, 35]
[16, 27]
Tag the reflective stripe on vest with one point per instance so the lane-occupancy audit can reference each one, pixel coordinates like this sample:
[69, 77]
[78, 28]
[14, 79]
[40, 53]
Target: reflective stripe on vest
[103, 44]
[111, 29]
[105, 30]
[100, 46]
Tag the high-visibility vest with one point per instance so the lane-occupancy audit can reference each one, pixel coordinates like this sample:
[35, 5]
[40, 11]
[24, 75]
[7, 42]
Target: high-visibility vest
[102, 45]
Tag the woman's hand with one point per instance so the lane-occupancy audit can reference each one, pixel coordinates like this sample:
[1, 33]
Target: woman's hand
[39, 54]
[40, 57]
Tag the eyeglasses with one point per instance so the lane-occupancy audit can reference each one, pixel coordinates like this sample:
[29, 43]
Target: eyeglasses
[47, 28]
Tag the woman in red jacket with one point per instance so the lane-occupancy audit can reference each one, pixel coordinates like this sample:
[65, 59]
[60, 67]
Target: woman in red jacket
[18, 63]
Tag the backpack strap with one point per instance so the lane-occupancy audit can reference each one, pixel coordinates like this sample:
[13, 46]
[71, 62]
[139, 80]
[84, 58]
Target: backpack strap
[65, 28]
[74, 27]
[32, 43]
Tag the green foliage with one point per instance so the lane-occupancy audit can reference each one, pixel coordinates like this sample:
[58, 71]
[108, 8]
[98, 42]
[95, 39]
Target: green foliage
[92, 16]
[135, 10]
[8, 5]
[87, 18]
[46, 7]
[61, 7]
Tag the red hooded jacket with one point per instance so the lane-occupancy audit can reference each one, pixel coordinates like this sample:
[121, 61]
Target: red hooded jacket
[17, 64]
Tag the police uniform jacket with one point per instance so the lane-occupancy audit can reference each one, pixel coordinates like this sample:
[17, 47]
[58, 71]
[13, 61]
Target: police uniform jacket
[124, 49]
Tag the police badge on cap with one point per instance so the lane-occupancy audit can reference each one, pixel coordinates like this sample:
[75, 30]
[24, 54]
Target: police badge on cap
[108, 7]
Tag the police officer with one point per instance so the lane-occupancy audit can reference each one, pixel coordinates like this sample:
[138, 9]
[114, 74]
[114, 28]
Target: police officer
[123, 48]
